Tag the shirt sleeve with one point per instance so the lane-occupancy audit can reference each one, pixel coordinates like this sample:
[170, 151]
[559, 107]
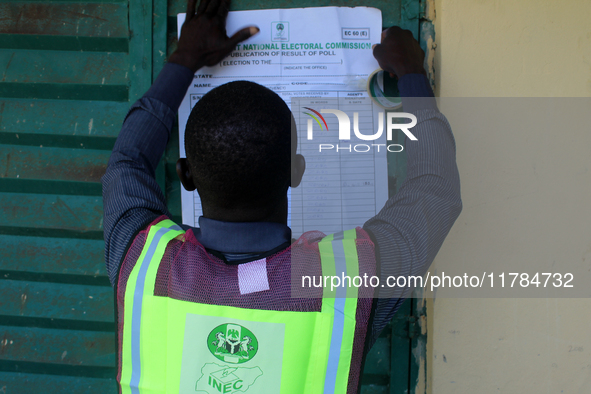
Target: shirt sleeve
[411, 227]
[131, 196]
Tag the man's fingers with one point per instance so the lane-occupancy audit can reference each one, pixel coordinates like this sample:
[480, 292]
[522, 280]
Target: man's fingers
[202, 6]
[212, 7]
[190, 9]
[379, 51]
[224, 8]
[213, 58]
[240, 36]
[393, 30]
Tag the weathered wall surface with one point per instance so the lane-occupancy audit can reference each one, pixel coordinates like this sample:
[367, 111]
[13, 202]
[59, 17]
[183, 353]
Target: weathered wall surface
[525, 48]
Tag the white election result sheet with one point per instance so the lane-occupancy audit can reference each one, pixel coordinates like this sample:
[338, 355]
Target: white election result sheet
[319, 58]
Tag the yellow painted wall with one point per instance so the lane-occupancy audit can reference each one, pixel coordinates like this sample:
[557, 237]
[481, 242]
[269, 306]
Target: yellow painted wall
[514, 48]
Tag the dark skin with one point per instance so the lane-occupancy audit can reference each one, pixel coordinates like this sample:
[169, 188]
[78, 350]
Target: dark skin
[399, 53]
[204, 42]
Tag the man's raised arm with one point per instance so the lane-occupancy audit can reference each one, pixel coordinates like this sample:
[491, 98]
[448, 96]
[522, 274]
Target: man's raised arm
[131, 196]
[411, 227]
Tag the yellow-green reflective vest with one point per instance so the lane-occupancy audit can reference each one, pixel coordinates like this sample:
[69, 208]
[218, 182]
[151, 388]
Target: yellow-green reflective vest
[174, 346]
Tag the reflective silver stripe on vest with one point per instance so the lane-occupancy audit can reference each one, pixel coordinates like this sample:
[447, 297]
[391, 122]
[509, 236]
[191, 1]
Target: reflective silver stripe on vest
[336, 339]
[136, 318]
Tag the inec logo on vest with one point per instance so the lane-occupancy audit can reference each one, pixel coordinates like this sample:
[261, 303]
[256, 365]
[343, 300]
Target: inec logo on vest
[232, 343]
[217, 354]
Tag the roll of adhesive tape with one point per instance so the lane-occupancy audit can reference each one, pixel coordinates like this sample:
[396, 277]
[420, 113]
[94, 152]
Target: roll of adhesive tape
[375, 89]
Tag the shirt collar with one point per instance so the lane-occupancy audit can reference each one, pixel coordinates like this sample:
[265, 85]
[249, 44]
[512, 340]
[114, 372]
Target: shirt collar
[241, 237]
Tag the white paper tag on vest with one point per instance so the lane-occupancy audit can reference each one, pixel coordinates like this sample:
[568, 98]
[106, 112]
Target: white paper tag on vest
[252, 277]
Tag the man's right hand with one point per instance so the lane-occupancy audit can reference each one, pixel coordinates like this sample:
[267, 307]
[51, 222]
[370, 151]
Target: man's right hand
[399, 53]
[203, 40]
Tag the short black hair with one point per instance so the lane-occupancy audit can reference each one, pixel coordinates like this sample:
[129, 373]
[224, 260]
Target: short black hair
[238, 144]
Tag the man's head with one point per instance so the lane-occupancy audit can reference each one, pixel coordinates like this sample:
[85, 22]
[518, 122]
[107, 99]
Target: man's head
[240, 150]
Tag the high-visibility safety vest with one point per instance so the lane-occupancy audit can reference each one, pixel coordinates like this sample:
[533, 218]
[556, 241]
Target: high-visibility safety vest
[179, 333]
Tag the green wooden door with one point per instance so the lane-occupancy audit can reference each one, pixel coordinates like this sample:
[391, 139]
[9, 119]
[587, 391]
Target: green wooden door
[69, 71]
[390, 366]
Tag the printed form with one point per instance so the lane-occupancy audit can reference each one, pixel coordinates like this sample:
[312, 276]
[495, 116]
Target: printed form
[314, 58]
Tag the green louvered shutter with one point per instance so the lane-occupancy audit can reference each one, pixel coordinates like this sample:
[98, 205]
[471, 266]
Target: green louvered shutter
[68, 72]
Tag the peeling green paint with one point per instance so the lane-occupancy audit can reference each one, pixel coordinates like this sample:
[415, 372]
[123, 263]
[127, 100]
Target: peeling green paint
[418, 362]
[427, 37]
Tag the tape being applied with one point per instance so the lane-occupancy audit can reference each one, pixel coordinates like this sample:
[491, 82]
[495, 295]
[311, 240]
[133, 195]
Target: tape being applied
[377, 84]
